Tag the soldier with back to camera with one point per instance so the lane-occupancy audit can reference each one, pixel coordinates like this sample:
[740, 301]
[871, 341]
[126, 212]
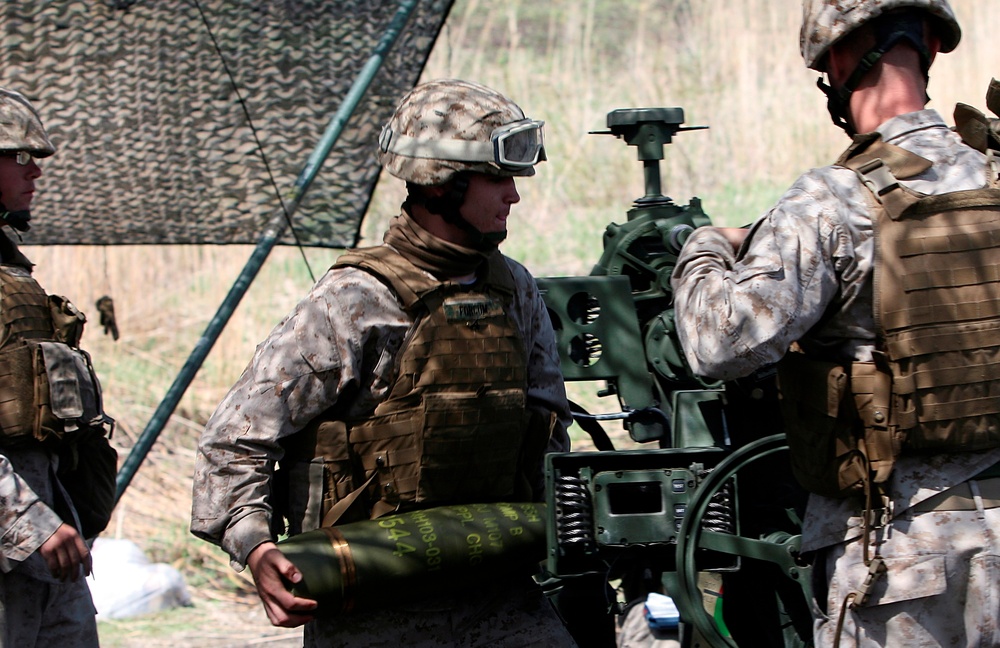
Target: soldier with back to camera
[57, 469]
[872, 284]
[418, 373]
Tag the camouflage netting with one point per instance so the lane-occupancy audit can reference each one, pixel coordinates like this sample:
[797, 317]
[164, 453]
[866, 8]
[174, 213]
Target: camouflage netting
[153, 146]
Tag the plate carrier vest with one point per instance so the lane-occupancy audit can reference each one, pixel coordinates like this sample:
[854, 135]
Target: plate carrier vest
[934, 383]
[47, 385]
[455, 427]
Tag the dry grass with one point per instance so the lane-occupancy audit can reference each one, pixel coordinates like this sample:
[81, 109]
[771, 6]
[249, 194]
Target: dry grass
[732, 66]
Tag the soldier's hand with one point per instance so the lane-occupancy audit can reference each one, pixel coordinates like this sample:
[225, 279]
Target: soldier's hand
[273, 573]
[65, 553]
[735, 235]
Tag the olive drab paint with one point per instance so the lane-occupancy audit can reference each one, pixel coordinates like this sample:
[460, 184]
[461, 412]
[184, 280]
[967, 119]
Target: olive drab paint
[400, 557]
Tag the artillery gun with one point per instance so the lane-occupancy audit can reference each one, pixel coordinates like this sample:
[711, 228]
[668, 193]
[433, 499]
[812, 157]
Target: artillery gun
[712, 507]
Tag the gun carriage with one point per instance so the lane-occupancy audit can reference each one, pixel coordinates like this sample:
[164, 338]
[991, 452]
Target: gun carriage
[711, 506]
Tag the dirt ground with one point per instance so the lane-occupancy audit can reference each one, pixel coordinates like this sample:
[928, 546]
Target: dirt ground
[237, 621]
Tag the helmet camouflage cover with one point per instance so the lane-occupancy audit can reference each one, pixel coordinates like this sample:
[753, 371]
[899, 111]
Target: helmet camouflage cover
[443, 110]
[20, 126]
[824, 22]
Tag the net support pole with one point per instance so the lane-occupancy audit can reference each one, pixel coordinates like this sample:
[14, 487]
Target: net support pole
[272, 233]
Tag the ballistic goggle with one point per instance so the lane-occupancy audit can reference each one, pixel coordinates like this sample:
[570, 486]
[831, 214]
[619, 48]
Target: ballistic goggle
[22, 157]
[513, 146]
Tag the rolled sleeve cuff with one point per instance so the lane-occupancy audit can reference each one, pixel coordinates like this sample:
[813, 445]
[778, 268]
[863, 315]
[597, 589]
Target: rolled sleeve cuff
[244, 535]
[708, 240]
[27, 534]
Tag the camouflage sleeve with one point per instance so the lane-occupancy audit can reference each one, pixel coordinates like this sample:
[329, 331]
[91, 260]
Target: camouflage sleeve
[298, 372]
[735, 314]
[25, 520]
[546, 387]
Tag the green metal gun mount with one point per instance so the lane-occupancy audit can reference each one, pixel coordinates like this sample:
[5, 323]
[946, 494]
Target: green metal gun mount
[675, 511]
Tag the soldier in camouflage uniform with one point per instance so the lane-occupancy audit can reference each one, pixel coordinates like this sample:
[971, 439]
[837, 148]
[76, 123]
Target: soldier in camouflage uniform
[418, 373]
[917, 567]
[44, 598]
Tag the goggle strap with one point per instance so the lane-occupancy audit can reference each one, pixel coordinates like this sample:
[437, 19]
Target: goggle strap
[456, 150]
[465, 150]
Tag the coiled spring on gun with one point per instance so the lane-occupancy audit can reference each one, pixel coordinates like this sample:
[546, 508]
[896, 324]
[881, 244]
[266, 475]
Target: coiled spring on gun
[574, 513]
[719, 514]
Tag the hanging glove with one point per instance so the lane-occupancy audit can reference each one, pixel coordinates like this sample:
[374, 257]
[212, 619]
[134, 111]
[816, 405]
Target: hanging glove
[106, 307]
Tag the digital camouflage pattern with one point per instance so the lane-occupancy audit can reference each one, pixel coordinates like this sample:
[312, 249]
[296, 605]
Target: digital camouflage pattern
[27, 510]
[20, 126]
[824, 22]
[448, 109]
[931, 597]
[804, 274]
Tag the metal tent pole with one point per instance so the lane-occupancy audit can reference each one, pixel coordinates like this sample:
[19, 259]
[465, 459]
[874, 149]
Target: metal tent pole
[275, 227]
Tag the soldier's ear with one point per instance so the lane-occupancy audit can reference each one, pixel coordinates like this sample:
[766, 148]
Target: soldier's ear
[436, 191]
[838, 65]
[933, 40]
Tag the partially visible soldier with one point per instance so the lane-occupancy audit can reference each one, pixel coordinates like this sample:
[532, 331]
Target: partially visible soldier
[418, 373]
[54, 456]
[880, 270]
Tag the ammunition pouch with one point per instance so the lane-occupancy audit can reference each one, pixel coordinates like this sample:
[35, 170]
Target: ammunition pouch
[67, 321]
[840, 423]
[452, 447]
[822, 430]
[52, 397]
[47, 390]
[315, 473]
[878, 408]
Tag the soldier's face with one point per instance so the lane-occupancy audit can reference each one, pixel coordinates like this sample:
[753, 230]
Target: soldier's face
[487, 202]
[17, 182]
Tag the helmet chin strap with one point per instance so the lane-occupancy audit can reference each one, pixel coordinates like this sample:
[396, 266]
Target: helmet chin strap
[449, 207]
[889, 32]
[836, 105]
[16, 219]
[494, 238]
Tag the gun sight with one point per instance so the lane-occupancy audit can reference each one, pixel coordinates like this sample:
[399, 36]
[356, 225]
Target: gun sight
[649, 130]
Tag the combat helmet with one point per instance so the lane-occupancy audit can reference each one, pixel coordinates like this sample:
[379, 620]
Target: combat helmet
[826, 22]
[20, 126]
[448, 126]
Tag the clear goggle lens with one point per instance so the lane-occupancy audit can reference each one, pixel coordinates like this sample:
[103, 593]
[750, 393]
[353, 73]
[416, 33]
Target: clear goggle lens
[519, 144]
[21, 157]
[513, 146]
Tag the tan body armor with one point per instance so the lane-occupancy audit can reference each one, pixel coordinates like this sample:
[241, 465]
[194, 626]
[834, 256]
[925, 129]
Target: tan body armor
[47, 385]
[934, 384]
[455, 427]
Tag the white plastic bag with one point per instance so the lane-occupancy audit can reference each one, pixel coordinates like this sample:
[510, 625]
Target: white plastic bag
[124, 583]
